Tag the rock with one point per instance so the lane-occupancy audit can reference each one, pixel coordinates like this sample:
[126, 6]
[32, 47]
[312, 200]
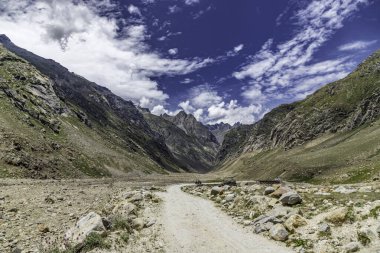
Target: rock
[338, 215]
[291, 198]
[324, 228]
[216, 190]
[229, 197]
[278, 233]
[352, 247]
[92, 222]
[294, 222]
[280, 191]
[125, 208]
[269, 190]
[366, 236]
[150, 223]
[138, 223]
[42, 228]
[344, 190]
[137, 197]
[378, 231]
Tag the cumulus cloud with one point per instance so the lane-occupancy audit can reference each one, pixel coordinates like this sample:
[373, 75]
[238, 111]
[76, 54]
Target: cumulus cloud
[92, 45]
[134, 10]
[173, 51]
[287, 70]
[209, 107]
[357, 45]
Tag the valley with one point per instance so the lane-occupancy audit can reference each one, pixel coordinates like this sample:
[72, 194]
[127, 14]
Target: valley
[84, 170]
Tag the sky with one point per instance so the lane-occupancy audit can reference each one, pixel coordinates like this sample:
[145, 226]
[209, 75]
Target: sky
[220, 60]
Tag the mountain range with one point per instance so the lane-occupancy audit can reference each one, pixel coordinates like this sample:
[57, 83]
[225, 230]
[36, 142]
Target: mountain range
[55, 123]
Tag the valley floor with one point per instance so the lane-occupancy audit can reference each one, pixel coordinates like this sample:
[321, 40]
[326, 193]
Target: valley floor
[154, 214]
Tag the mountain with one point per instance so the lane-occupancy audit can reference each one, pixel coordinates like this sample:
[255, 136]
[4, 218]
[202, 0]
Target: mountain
[332, 134]
[56, 123]
[191, 143]
[220, 130]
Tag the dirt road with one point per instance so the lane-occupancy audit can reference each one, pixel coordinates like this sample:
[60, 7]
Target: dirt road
[192, 224]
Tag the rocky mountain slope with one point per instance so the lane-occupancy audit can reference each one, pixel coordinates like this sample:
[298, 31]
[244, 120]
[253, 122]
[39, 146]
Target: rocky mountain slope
[191, 143]
[331, 130]
[220, 130]
[56, 123]
[106, 134]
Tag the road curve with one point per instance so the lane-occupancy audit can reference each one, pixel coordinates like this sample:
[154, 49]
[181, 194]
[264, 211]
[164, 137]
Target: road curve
[193, 224]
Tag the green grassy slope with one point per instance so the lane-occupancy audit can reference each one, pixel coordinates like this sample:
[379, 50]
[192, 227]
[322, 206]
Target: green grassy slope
[331, 135]
[348, 157]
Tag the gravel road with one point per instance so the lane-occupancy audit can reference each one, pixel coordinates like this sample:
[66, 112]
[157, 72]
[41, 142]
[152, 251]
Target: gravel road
[193, 224]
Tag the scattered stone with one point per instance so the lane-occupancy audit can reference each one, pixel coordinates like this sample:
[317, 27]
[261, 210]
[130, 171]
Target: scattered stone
[324, 228]
[291, 198]
[92, 222]
[138, 224]
[352, 247]
[125, 208]
[280, 191]
[42, 228]
[295, 221]
[137, 197]
[338, 215]
[229, 197]
[269, 190]
[216, 190]
[278, 233]
[366, 236]
[344, 190]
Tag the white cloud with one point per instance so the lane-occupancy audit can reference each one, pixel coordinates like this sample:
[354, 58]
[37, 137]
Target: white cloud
[287, 70]
[187, 81]
[174, 9]
[209, 107]
[134, 10]
[238, 48]
[191, 2]
[92, 47]
[357, 45]
[173, 51]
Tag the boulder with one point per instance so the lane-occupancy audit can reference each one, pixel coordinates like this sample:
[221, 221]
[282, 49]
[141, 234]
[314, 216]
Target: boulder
[291, 198]
[280, 191]
[125, 208]
[324, 228]
[229, 197]
[294, 222]
[138, 223]
[338, 215]
[88, 224]
[269, 190]
[352, 247]
[216, 190]
[278, 233]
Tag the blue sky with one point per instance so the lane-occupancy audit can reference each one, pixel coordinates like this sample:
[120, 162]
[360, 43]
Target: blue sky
[229, 61]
